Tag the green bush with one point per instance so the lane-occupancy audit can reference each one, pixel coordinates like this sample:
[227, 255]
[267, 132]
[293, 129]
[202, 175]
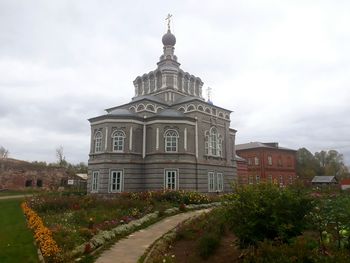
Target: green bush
[207, 244]
[266, 211]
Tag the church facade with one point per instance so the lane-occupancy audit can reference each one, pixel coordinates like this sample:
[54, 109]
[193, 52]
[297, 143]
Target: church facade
[166, 137]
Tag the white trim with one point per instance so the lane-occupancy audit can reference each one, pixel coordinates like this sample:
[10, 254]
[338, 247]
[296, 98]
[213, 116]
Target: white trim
[141, 122]
[123, 140]
[196, 138]
[185, 139]
[144, 142]
[106, 139]
[157, 139]
[130, 140]
[176, 143]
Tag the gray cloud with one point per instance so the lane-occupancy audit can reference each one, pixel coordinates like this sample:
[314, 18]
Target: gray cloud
[282, 67]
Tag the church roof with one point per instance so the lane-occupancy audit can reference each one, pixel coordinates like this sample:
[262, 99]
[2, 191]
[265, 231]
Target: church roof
[324, 179]
[171, 113]
[122, 112]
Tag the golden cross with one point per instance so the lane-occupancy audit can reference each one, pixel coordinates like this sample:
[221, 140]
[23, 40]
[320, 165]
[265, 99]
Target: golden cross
[168, 18]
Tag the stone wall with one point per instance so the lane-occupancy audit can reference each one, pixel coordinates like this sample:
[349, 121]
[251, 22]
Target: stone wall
[16, 175]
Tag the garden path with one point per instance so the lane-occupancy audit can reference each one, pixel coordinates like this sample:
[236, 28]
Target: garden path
[130, 249]
[13, 196]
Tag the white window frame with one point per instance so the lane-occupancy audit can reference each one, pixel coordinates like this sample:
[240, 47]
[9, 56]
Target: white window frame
[118, 141]
[213, 142]
[171, 139]
[118, 186]
[173, 185]
[256, 160]
[281, 180]
[98, 142]
[257, 179]
[250, 179]
[269, 160]
[215, 181]
[95, 178]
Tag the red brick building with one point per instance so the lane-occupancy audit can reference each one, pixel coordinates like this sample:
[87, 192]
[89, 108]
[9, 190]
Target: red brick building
[267, 162]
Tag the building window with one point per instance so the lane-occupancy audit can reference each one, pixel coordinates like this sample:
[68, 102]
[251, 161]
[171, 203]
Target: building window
[94, 181]
[290, 179]
[249, 161]
[257, 179]
[28, 183]
[213, 142]
[256, 160]
[39, 183]
[269, 160]
[118, 141]
[215, 182]
[281, 180]
[116, 181]
[98, 142]
[170, 180]
[280, 162]
[251, 181]
[269, 178]
[171, 139]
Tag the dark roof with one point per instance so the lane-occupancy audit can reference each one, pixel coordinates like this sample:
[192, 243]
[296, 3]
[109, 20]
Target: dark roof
[191, 98]
[121, 112]
[254, 145]
[324, 179]
[170, 113]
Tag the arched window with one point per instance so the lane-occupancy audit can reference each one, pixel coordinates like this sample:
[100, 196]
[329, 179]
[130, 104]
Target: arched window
[213, 143]
[171, 139]
[118, 141]
[98, 142]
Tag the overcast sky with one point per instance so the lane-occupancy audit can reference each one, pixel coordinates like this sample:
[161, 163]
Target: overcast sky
[282, 66]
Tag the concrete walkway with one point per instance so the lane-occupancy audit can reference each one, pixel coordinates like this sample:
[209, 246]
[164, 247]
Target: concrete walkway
[14, 196]
[130, 249]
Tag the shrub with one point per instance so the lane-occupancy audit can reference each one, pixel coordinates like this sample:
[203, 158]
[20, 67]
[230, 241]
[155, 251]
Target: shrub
[266, 211]
[207, 245]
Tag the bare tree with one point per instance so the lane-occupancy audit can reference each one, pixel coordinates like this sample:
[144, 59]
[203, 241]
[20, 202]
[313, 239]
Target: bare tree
[4, 153]
[61, 159]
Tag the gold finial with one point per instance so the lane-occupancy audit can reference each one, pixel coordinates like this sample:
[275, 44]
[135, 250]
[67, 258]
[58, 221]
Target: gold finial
[169, 16]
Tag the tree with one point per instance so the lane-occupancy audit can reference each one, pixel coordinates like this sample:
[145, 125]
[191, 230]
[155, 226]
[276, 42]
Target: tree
[266, 211]
[4, 153]
[331, 163]
[307, 165]
[61, 159]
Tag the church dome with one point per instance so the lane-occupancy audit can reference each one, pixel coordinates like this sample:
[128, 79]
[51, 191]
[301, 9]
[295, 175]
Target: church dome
[169, 39]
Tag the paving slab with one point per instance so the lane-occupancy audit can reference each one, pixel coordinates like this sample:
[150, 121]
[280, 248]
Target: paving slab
[131, 248]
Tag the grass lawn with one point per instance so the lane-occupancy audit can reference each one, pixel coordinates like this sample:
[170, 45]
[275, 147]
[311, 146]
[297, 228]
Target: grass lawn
[16, 240]
[18, 192]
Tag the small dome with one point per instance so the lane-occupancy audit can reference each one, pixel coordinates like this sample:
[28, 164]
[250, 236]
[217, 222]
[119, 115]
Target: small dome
[169, 39]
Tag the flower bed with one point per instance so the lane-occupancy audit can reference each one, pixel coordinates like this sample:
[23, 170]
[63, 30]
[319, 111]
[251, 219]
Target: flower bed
[73, 221]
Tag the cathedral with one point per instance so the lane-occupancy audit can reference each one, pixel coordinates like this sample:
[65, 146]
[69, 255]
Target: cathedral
[167, 137]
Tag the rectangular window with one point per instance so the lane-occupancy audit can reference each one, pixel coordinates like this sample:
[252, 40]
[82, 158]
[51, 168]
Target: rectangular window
[291, 179]
[269, 160]
[215, 182]
[220, 182]
[251, 181]
[98, 145]
[249, 161]
[269, 178]
[211, 182]
[94, 181]
[256, 160]
[257, 179]
[118, 144]
[281, 180]
[116, 181]
[171, 180]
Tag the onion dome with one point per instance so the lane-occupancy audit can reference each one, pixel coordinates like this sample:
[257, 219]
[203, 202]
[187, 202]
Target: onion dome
[169, 39]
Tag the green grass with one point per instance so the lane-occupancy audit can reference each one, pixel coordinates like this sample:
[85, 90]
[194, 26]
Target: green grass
[16, 240]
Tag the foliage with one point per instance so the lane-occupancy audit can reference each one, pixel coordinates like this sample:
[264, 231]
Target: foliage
[300, 250]
[14, 235]
[266, 211]
[330, 163]
[208, 243]
[331, 219]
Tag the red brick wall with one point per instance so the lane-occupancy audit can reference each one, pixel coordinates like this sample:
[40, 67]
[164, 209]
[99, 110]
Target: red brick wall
[281, 171]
